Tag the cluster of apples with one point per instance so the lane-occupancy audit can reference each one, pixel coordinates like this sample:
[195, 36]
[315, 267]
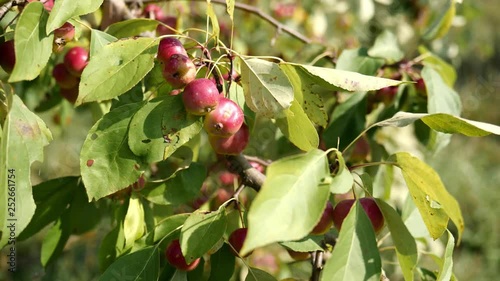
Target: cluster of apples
[223, 117]
[155, 12]
[67, 74]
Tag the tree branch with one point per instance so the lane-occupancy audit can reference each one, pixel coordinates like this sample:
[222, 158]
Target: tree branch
[253, 10]
[250, 176]
[317, 265]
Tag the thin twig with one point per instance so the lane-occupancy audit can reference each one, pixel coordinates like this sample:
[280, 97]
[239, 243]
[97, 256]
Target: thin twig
[317, 265]
[249, 175]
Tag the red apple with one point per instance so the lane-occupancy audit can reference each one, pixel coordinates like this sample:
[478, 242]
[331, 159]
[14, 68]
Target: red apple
[236, 240]
[232, 145]
[170, 46]
[7, 56]
[169, 21]
[153, 11]
[63, 78]
[179, 70]
[387, 94]
[325, 222]
[76, 59]
[175, 257]
[200, 96]
[225, 120]
[227, 178]
[369, 205]
[70, 94]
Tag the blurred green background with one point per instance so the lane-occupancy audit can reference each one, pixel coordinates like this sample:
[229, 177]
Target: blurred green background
[469, 167]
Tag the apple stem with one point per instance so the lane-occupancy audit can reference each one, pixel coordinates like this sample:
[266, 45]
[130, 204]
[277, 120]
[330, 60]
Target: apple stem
[317, 265]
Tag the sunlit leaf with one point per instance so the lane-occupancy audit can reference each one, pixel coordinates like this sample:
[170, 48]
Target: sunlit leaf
[293, 193]
[432, 199]
[255, 274]
[446, 71]
[446, 270]
[99, 39]
[355, 255]
[106, 162]
[32, 45]
[116, 68]
[64, 10]
[386, 47]
[307, 244]
[24, 135]
[200, 232]
[213, 19]
[297, 127]
[133, 225]
[230, 8]
[357, 60]
[131, 27]
[342, 181]
[442, 23]
[267, 89]
[404, 242]
[55, 239]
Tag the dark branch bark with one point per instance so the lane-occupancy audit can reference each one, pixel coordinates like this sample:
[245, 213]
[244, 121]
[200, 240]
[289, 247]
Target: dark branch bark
[317, 265]
[249, 175]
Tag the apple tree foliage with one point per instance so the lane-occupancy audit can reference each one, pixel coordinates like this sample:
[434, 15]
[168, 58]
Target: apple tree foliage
[315, 114]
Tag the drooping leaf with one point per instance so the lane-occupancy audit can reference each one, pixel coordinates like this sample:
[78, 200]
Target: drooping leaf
[255, 274]
[404, 242]
[297, 127]
[141, 265]
[133, 225]
[32, 45]
[355, 255]
[64, 10]
[131, 27]
[446, 270]
[357, 60]
[201, 232]
[386, 47]
[444, 123]
[230, 8]
[442, 23]
[168, 226]
[347, 80]
[342, 181]
[181, 188]
[222, 264]
[432, 199]
[307, 94]
[267, 89]
[24, 135]
[307, 244]
[116, 68]
[106, 162]
[51, 198]
[441, 98]
[55, 239]
[445, 70]
[160, 127]
[213, 19]
[99, 39]
[293, 193]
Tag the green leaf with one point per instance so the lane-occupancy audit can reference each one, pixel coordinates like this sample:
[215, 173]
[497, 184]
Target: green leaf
[347, 80]
[307, 94]
[432, 199]
[213, 19]
[201, 232]
[141, 265]
[181, 188]
[267, 89]
[444, 123]
[441, 98]
[446, 71]
[222, 264]
[131, 27]
[355, 256]
[106, 162]
[64, 10]
[83, 215]
[255, 274]
[342, 181]
[168, 226]
[442, 23]
[347, 121]
[357, 60]
[32, 45]
[160, 127]
[98, 40]
[446, 270]
[307, 244]
[116, 68]
[133, 225]
[111, 247]
[293, 193]
[51, 198]
[406, 248]
[54, 240]
[297, 127]
[230, 8]
[386, 46]
[24, 135]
